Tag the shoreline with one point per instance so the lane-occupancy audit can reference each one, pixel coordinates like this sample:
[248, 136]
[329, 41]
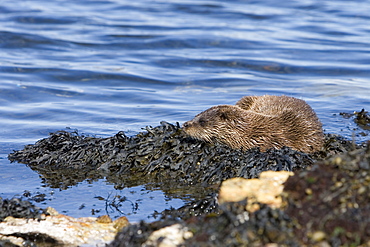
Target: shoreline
[163, 156]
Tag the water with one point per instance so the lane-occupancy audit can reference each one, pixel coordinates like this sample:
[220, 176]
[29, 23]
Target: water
[105, 66]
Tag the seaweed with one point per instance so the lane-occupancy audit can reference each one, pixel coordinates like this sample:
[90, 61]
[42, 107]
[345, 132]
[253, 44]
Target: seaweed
[327, 204]
[162, 155]
[361, 118]
[19, 208]
[232, 227]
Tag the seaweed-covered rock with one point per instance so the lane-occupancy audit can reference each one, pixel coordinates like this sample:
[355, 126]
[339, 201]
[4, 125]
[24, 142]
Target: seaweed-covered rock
[361, 118]
[233, 227]
[330, 201]
[158, 155]
[326, 205]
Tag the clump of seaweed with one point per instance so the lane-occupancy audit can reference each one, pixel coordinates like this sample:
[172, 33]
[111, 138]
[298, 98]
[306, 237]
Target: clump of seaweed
[361, 118]
[19, 208]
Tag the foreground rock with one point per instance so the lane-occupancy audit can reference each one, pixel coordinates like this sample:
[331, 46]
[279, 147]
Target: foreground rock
[267, 190]
[330, 202]
[59, 230]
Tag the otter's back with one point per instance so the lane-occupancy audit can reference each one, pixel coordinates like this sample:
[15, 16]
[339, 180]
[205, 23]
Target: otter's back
[274, 105]
[293, 118]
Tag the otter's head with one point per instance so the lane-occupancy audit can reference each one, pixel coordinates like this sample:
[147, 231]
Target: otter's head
[217, 124]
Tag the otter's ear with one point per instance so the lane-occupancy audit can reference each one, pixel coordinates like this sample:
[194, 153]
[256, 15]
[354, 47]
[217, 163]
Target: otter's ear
[230, 113]
[225, 115]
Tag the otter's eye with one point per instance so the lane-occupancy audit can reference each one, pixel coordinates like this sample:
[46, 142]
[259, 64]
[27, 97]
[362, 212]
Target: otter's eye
[202, 122]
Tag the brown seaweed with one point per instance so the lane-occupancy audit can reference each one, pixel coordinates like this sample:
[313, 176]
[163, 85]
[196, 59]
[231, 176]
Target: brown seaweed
[162, 155]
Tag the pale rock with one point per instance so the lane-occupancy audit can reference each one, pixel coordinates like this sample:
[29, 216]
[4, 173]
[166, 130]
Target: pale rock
[267, 189]
[169, 236]
[59, 230]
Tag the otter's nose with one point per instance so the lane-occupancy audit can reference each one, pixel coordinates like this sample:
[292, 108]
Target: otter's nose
[185, 125]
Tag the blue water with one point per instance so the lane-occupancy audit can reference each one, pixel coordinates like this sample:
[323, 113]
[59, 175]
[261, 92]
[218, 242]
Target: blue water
[103, 66]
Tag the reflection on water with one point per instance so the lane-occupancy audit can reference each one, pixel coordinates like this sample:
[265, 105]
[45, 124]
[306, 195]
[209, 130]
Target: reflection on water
[87, 198]
[105, 66]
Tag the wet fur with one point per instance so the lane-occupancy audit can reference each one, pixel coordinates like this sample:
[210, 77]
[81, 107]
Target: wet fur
[263, 121]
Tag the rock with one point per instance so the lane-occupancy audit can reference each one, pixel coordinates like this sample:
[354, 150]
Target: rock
[120, 223]
[266, 189]
[318, 236]
[104, 219]
[168, 236]
[331, 199]
[58, 229]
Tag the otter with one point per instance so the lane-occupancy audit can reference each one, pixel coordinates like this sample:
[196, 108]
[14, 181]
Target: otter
[266, 122]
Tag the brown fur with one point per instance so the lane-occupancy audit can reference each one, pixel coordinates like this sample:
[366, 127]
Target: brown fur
[260, 121]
